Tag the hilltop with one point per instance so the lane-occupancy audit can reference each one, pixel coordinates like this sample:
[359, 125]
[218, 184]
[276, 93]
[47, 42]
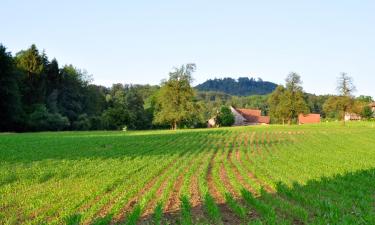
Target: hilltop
[243, 86]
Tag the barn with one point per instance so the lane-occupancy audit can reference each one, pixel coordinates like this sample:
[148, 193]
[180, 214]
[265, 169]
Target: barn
[308, 118]
[244, 117]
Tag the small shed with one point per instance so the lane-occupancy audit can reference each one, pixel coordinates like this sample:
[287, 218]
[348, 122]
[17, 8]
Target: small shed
[309, 118]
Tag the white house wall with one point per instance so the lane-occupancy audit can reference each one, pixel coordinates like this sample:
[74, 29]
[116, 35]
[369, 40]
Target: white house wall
[238, 118]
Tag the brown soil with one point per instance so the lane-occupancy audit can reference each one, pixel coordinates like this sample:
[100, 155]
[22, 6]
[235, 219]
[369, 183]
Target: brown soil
[224, 178]
[211, 184]
[149, 209]
[238, 174]
[173, 203]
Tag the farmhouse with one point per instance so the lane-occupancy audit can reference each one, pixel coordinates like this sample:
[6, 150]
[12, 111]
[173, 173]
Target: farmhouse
[352, 116]
[308, 118]
[245, 117]
[372, 105]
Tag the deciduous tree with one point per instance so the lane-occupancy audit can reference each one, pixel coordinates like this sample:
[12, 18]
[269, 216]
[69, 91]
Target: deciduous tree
[175, 98]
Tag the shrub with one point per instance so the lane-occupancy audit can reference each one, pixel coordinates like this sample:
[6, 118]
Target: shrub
[225, 117]
[40, 119]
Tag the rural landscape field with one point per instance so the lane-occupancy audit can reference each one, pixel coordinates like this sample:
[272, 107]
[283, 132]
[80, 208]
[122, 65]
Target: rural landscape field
[312, 174]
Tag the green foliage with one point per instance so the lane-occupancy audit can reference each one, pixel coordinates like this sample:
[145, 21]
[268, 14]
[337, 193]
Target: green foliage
[287, 103]
[158, 214]
[241, 87]
[186, 217]
[40, 119]
[225, 117]
[10, 103]
[338, 106]
[212, 209]
[175, 98]
[367, 112]
[306, 170]
[235, 206]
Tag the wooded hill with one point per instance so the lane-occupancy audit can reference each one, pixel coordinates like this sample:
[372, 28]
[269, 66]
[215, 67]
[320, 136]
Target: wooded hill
[243, 86]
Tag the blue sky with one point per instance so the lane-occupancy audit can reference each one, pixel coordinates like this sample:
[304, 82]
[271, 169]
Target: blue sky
[141, 41]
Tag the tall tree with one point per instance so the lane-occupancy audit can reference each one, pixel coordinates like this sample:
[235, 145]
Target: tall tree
[10, 104]
[287, 103]
[345, 85]
[32, 63]
[175, 98]
[343, 103]
[135, 105]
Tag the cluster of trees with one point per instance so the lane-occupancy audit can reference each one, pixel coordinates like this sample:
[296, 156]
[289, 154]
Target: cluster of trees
[243, 86]
[37, 94]
[286, 103]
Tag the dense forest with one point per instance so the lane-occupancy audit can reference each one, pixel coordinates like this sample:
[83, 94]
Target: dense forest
[38, 94]
[243, 86]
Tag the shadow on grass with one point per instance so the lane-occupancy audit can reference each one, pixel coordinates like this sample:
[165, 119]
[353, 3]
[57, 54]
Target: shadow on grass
[342, 199]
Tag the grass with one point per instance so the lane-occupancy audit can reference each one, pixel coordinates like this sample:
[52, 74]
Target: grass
[311, 174]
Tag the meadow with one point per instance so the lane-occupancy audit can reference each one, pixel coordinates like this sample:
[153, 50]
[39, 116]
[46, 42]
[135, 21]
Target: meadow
[310, 174]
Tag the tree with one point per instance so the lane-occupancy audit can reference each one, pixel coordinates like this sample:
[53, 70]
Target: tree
[344, 102]
[30, 61]
[175, 98]
[367, 112]
[32, 64]
[278, 111]
[117, 115]
[225, 118]
[287, 103]
[345, 85]
[10, 103]
[136, 111]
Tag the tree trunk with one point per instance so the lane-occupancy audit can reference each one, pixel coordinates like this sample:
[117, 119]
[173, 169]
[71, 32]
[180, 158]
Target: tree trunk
[174, 125]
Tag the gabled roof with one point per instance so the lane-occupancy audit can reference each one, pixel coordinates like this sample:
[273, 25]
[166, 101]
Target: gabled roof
[253, 116]
[309, 118]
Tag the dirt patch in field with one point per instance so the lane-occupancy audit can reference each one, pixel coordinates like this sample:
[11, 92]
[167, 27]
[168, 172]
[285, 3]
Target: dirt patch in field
[211, 184]
[196, 200]
[238, 174]
[149, 209]
[174, 202]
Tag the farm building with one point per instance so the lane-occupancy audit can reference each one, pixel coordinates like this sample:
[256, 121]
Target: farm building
[245, 117]
[308, 118]
[211, 123]
[352, 116]
[372, 105]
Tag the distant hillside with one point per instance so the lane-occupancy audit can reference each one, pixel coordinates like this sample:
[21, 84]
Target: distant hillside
[243, 86]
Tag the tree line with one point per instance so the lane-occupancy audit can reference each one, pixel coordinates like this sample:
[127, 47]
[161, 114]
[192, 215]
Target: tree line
[37, 94]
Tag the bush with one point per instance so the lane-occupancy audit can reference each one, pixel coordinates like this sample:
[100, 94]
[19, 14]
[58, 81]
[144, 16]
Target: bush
[367, 112]
[225, 117]
[41, 120]
[83, 123]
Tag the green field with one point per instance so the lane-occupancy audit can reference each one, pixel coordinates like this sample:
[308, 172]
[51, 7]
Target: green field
[320, 174]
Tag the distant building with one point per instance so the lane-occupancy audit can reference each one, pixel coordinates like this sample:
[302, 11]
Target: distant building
[245, 117]
[372, 105]
[211, 123]
[352, 116]
[308, 118]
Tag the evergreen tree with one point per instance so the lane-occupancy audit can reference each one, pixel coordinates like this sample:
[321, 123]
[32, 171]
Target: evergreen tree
[10, 103]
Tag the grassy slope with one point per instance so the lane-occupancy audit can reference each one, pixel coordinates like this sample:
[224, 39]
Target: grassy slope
[321, 173]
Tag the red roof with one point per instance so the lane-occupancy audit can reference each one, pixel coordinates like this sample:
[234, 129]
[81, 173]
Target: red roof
[253, 116]
[309, 118]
